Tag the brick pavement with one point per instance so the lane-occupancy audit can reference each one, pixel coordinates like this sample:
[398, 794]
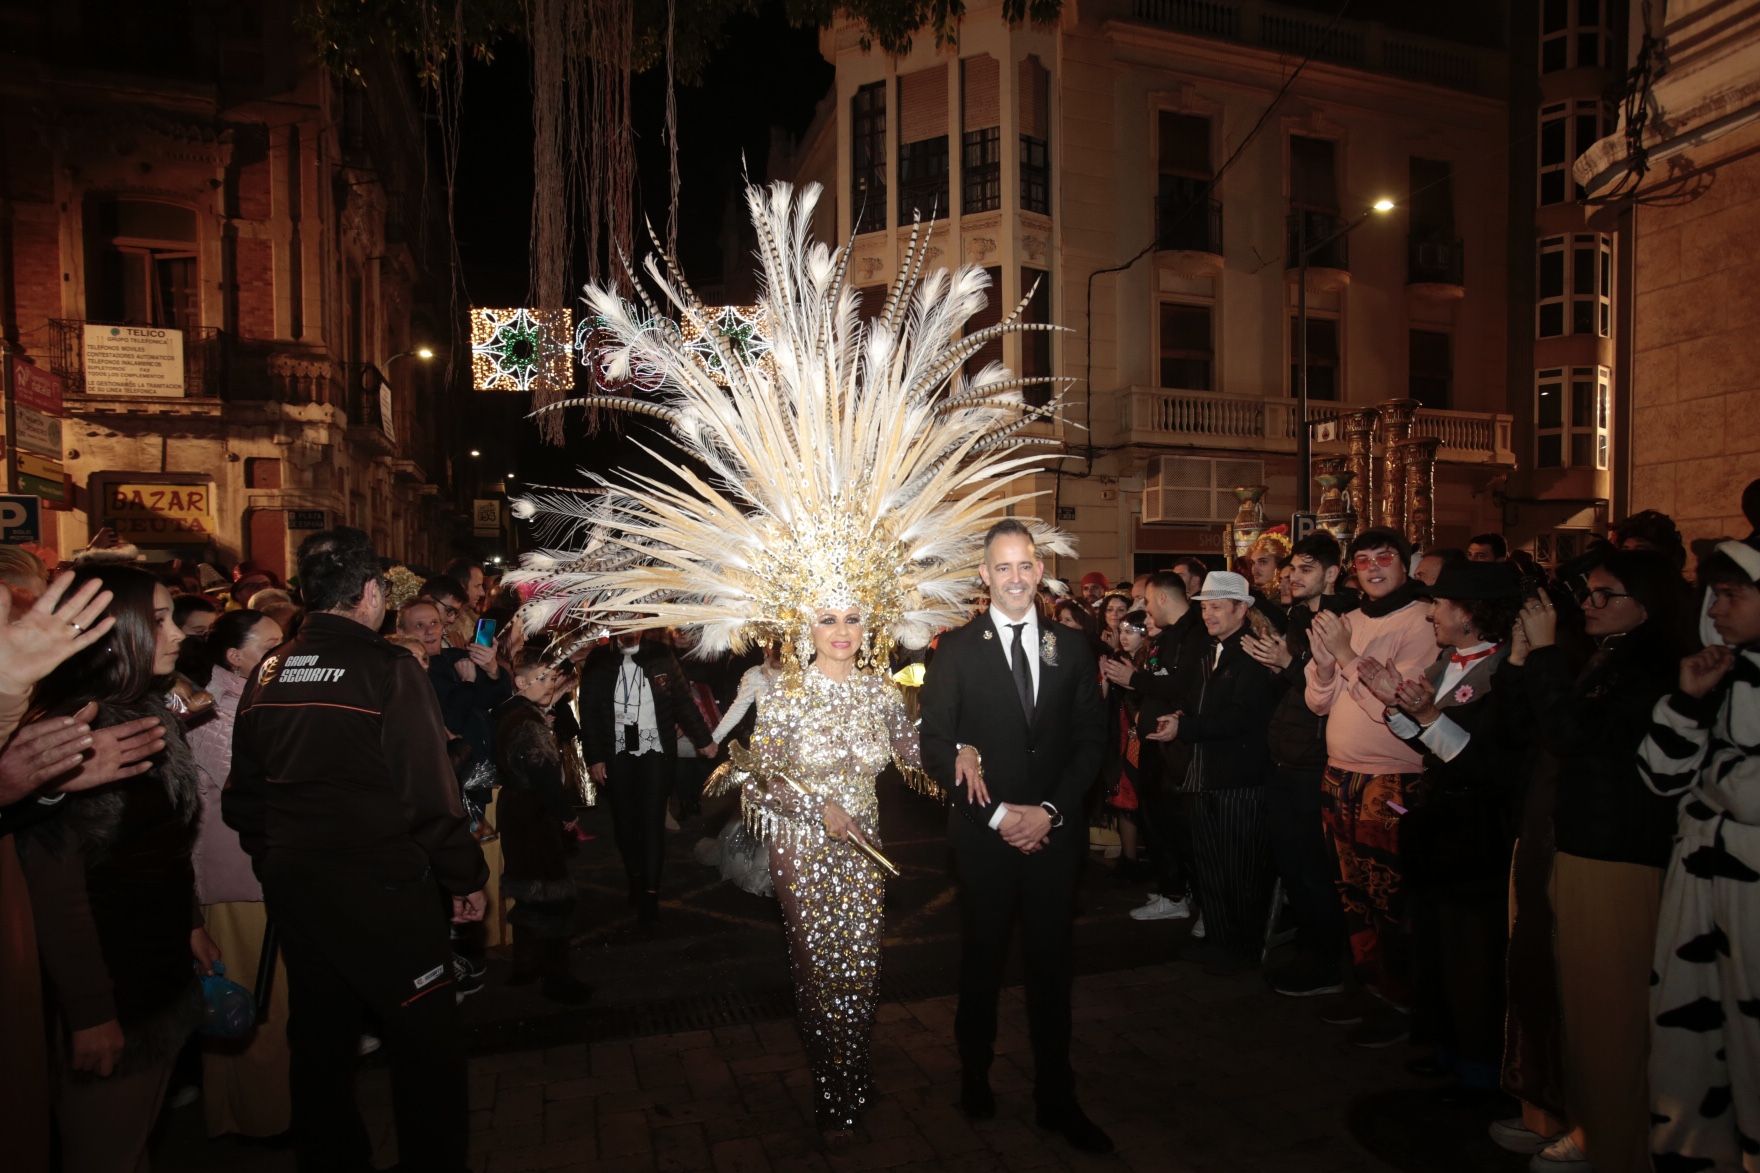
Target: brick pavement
[1188, 1072]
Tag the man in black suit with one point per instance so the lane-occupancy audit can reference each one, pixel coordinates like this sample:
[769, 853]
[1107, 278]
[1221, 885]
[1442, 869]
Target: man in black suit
[635, 697]
[1013, 727]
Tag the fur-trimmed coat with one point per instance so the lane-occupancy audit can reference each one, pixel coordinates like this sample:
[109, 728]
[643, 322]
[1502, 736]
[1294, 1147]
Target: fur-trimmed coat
[113, 892]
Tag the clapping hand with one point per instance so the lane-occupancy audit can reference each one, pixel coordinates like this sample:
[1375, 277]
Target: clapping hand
[1416, 699]
[1701, 671]
[1271, 651]
[1166, 728]
[67, 751]
[1329, 632]
[1381, 679]
[1117, 671]
[51, 631]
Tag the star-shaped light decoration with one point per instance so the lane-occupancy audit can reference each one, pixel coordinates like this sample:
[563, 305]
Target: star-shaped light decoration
[521, 349]
[737, 330]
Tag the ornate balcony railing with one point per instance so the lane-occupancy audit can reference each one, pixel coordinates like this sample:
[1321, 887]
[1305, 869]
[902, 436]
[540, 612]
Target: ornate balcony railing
[203, 357]
[1208, 419]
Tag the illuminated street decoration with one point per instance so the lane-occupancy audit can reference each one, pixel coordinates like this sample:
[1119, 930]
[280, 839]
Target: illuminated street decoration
[521, 349]
[737, 329]
[595, 345]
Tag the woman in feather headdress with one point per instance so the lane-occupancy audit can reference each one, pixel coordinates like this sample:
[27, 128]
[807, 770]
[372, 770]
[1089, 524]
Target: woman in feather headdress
[840, 480]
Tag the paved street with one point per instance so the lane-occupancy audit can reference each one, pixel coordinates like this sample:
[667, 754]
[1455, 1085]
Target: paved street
[687, 1058]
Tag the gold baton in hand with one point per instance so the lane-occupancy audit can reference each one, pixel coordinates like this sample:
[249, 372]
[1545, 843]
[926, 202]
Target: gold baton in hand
[855, 837]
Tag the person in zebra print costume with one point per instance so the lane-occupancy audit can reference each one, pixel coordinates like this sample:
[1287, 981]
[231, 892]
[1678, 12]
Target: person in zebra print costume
[1705, 991]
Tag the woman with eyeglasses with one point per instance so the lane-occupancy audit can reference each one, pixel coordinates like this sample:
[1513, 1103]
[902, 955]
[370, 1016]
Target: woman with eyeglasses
[1612, 839]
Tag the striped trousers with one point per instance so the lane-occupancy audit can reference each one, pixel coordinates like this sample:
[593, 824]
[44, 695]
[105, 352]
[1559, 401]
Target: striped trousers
[1230, 865]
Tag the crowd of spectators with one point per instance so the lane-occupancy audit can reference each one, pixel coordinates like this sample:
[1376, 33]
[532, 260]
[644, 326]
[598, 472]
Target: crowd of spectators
[1502, 814]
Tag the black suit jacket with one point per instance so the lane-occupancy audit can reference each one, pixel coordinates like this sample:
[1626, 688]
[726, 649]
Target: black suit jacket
[969, 698]
[673, 703]
[1228, 726]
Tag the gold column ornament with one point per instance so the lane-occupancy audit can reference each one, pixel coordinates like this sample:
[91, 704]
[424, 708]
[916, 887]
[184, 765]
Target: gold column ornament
[1397, 416]
[1359, 431]
[1417, 457]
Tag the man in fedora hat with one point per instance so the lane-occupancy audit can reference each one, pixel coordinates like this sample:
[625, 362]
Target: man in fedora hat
[1225, 810]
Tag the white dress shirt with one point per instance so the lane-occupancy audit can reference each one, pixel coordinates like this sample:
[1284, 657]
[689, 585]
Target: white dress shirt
[1030, 646]
[1029, 640]
[1444, 738]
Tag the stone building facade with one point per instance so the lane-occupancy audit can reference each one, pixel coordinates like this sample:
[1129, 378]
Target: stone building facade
[1683, 187]
[1074, 162]
[185, 175]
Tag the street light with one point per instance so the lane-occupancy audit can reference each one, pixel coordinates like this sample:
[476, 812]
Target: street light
[476, 452]
[1304, 430]
[424, 353]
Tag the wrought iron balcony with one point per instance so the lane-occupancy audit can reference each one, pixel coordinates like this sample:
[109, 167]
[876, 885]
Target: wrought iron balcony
[1324, 236]
[203, 357]
[1433, 260]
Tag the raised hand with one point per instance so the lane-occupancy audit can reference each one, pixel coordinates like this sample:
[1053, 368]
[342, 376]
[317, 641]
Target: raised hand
[51, 631]
[1330, 631]
[1519, 647]
[1540, 620]
[1701, 671]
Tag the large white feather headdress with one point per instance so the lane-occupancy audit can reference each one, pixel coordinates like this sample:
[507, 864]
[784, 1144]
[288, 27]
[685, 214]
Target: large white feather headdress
[831, 463]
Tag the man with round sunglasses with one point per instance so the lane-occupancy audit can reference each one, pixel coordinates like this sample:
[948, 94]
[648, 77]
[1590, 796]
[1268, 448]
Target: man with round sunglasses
[1371, 773]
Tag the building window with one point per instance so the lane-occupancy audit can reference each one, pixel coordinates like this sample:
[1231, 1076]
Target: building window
[1570, 418]
[1036, 344]
[1186, 218]
[1567, 129]
[1323, 380]
[1575, 286]
[1313, 201]
[141, 266]
[1035, 124]
[871, 299]
[1035, 175]
[1188, 348]
[980, 170]
[1430, 368]
[922, 179]
[1575, 34]
[867, 191]
[981, 134]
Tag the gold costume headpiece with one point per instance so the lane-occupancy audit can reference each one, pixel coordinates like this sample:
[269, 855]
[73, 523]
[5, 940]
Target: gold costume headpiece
[830, 462]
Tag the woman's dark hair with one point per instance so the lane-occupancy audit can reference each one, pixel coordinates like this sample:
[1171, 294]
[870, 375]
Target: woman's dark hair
[1380, 537]
[335, 567]
[183, 606]
[227, 635]
[118, 669]
[1650, 577]
[1106, 601]
[1136, 619]
[1084, 620]
[1657, 531]
[1492, 618]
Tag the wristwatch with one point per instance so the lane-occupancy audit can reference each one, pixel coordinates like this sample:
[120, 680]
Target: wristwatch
[1056, 819]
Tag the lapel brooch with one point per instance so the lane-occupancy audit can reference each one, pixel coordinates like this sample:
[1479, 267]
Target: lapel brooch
[1048, 650]
[989, 633]
[1463, 694]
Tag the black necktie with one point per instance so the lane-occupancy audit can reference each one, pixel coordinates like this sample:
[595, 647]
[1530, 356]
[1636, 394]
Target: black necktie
[1023, 675]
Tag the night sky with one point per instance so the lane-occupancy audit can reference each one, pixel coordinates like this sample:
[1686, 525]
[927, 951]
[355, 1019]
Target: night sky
[767, 74]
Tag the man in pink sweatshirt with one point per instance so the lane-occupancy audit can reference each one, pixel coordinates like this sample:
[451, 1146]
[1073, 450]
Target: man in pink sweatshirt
[1369, 771]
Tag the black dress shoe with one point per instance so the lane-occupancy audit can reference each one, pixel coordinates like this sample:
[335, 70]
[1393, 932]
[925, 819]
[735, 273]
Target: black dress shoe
[1073, 1125]
[976, 1099]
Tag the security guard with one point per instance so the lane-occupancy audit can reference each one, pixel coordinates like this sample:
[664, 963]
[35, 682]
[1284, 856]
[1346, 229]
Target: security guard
[342, 793]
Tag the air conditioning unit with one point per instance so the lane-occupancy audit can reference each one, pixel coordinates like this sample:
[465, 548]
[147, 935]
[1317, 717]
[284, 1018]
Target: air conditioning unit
[1196, 489]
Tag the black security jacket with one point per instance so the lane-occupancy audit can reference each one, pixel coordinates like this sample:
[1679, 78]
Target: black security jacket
[339, 749]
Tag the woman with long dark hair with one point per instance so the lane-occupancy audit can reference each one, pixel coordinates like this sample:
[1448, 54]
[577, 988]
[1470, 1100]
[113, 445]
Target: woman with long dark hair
[244, 1087]
[1612, 838]
[113, 892]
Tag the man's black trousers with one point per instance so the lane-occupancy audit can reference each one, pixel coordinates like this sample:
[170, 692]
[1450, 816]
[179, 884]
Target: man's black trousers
[995, 883]
[366, 945]
[637, 786]
[1305, 863]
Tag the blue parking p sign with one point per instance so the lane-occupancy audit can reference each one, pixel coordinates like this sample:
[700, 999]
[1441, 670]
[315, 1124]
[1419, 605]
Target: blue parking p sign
[21, 519]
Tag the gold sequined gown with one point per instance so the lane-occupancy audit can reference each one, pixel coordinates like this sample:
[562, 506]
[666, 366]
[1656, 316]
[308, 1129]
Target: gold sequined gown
[834, 738]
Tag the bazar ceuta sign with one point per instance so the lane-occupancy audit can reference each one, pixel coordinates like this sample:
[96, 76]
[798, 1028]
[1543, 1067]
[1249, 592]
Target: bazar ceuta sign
[160, 514]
